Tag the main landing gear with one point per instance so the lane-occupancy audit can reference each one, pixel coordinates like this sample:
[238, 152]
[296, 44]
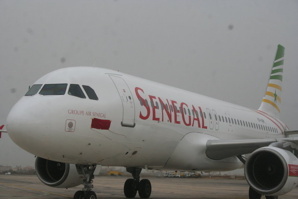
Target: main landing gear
[255, 195]
[87, 192]
[132, 186]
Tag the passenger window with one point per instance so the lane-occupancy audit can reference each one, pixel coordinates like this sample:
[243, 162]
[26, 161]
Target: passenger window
[75, 90]
[90, 92]
[53, 89]
[33, 90]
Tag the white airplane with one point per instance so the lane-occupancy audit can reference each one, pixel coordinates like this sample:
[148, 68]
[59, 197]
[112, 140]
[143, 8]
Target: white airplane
[75, 118]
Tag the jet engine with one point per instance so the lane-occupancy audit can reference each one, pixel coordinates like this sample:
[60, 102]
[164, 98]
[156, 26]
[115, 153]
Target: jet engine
[272, 171]
[57, 174]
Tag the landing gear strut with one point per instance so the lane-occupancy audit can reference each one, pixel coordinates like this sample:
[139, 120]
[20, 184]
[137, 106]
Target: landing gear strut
[132, 186]
[86, 193]
[255, 195]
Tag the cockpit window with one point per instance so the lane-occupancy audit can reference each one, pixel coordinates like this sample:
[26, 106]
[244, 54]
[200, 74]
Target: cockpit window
[33, 90]
[75, 90]
[90, 92]
[53, 89]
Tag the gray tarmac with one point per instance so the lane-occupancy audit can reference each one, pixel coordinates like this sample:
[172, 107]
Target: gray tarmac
[29, 187]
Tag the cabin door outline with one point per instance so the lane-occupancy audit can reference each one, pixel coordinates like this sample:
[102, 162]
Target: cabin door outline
[128, 105]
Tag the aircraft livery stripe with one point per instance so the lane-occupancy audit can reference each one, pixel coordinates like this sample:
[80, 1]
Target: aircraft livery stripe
[273, 95]
[272, 120]
[279, 63]
[279, 77]
[271, 103]
[280, 70]
[274, 86]
[280, 52]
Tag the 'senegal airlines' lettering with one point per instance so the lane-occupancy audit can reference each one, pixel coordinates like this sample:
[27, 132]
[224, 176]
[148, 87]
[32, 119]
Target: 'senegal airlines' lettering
[168, 110]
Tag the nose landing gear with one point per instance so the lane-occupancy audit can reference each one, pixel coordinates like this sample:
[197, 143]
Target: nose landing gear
[87, 192]
[132, 186]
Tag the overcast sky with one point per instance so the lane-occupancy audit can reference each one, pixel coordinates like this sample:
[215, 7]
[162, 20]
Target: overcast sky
[222, 49]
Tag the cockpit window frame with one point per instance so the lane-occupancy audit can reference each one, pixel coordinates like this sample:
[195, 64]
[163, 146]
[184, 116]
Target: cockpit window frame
[90, 92]
[53, 89]
[59, 89]
[33, 90]
[77, 92]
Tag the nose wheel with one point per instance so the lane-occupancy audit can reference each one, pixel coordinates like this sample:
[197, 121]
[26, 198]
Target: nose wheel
[87, 192]
[85, 195]
[132, 186]
[144, 188]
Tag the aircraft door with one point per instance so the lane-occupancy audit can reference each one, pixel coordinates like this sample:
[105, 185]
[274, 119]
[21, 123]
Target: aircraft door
[211, 123]
[216, 123]
[128, 107]
[227, 114]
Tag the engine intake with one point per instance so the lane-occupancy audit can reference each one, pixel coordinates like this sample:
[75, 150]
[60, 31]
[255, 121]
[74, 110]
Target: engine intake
[57, 174]
[269, 171]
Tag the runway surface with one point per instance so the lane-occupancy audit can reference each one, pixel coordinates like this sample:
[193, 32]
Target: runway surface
[29, 187]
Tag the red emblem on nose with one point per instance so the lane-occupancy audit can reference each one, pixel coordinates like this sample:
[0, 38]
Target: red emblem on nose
[100, 124]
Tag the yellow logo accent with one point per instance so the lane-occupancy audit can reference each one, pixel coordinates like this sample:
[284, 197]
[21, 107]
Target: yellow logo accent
[274, 86]
[276, 98]
[272, 103]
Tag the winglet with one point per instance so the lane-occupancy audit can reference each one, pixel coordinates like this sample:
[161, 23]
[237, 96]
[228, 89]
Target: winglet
[272, 99]
[2, 130]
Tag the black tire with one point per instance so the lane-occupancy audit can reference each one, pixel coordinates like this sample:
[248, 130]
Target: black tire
[130, 188]
[90, 195]
[79, 195]
[144, 188]
[253, 194]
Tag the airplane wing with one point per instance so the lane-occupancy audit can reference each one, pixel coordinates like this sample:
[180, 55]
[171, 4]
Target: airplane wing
[220, 149]
[289, 133]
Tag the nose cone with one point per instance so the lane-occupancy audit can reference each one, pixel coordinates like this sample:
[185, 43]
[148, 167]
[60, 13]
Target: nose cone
[29, 125]
[21, 122]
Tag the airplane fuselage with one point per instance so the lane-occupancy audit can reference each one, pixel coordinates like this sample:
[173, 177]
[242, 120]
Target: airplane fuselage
[133, 123]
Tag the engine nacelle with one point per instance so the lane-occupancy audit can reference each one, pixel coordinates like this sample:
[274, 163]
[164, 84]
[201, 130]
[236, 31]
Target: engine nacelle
[272, 171]
[57, 174]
